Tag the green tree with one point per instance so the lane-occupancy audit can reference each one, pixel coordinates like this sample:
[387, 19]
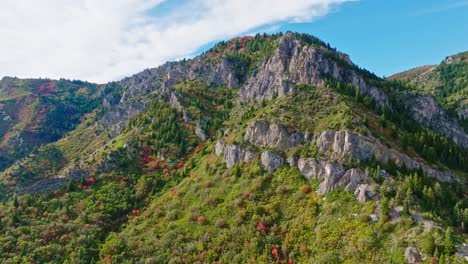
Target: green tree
[406, 203]
[15, 201]
[428, 244]
[449, 246]
[384, 210]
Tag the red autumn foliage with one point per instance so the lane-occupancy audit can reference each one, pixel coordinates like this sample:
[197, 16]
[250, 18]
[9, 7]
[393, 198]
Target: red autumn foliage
[261, 227]
[198, 148]
[90, 181]
[290, 261]
[46, 88]
[180, 165]
[245, 38]
[147, 159]
[275, 253]
[136, 212]
[84, 187]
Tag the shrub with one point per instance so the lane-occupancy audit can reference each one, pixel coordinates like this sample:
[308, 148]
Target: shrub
[220, 223]
[201, 220]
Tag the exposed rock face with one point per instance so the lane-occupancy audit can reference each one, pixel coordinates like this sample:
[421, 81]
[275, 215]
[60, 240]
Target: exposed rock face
[293, 63]
[263, 134]
[341, 144]
[232, 153]
[334, 175]
[349, 180]
[426, 111]
[175, 103]
[412, 255]
[271, 161]
[116, 119]
[319, 169]
[200, 133]
[364, 192]
[160, 81]
[45, 185]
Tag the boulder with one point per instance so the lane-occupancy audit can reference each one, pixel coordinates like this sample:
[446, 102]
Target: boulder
[364, 192]
[412, 255]
[271, 161]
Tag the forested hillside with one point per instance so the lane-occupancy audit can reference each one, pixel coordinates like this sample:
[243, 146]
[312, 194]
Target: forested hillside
[264, 149]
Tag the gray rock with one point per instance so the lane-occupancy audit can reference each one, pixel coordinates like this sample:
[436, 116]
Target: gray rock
[364, 192]
[186, 117]
[292, 162]
[219, 147]
[175, 103]
[263, 134]
[318, 169]
[426, 111]
[334, 175]
[271, 161]
[412, 255]
[200, 133]
[232, 153]
[293, 63]
[342, 144]
[46, 185]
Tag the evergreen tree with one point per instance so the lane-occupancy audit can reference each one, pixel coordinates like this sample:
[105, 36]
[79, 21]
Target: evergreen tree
[15, 201]
[428, 244]
[384, 210]
[406, 203]
[449, 246]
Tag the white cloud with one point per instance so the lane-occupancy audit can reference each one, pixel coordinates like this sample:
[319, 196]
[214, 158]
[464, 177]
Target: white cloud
[103, 40]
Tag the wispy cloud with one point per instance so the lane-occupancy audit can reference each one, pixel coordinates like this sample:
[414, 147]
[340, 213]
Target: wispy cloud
[444, 6]
[103, 40]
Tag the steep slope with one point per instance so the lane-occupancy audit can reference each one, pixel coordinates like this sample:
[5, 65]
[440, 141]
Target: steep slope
[36, 112]
[264, 149]
[447, 82]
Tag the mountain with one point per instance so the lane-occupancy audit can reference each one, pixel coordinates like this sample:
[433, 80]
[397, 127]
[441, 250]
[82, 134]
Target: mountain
[265, 149]
[447, 82]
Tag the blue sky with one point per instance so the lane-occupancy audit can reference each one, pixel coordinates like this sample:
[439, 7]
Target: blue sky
[390, 36]
[107, 40]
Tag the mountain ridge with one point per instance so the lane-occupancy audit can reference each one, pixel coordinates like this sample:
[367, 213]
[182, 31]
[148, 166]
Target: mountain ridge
[252, 148]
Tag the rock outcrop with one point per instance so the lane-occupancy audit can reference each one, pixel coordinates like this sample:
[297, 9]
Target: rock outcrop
[271, 161]
[349, 180]
[160, 81]
[233, 154]
[426, 111]
[45, 185]
[294, 63]
[319, 169]
[334, 175]
[342, 144]
[200, 133]
[364, 193]
[412, 255]
[263, 134]
[174, 102]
